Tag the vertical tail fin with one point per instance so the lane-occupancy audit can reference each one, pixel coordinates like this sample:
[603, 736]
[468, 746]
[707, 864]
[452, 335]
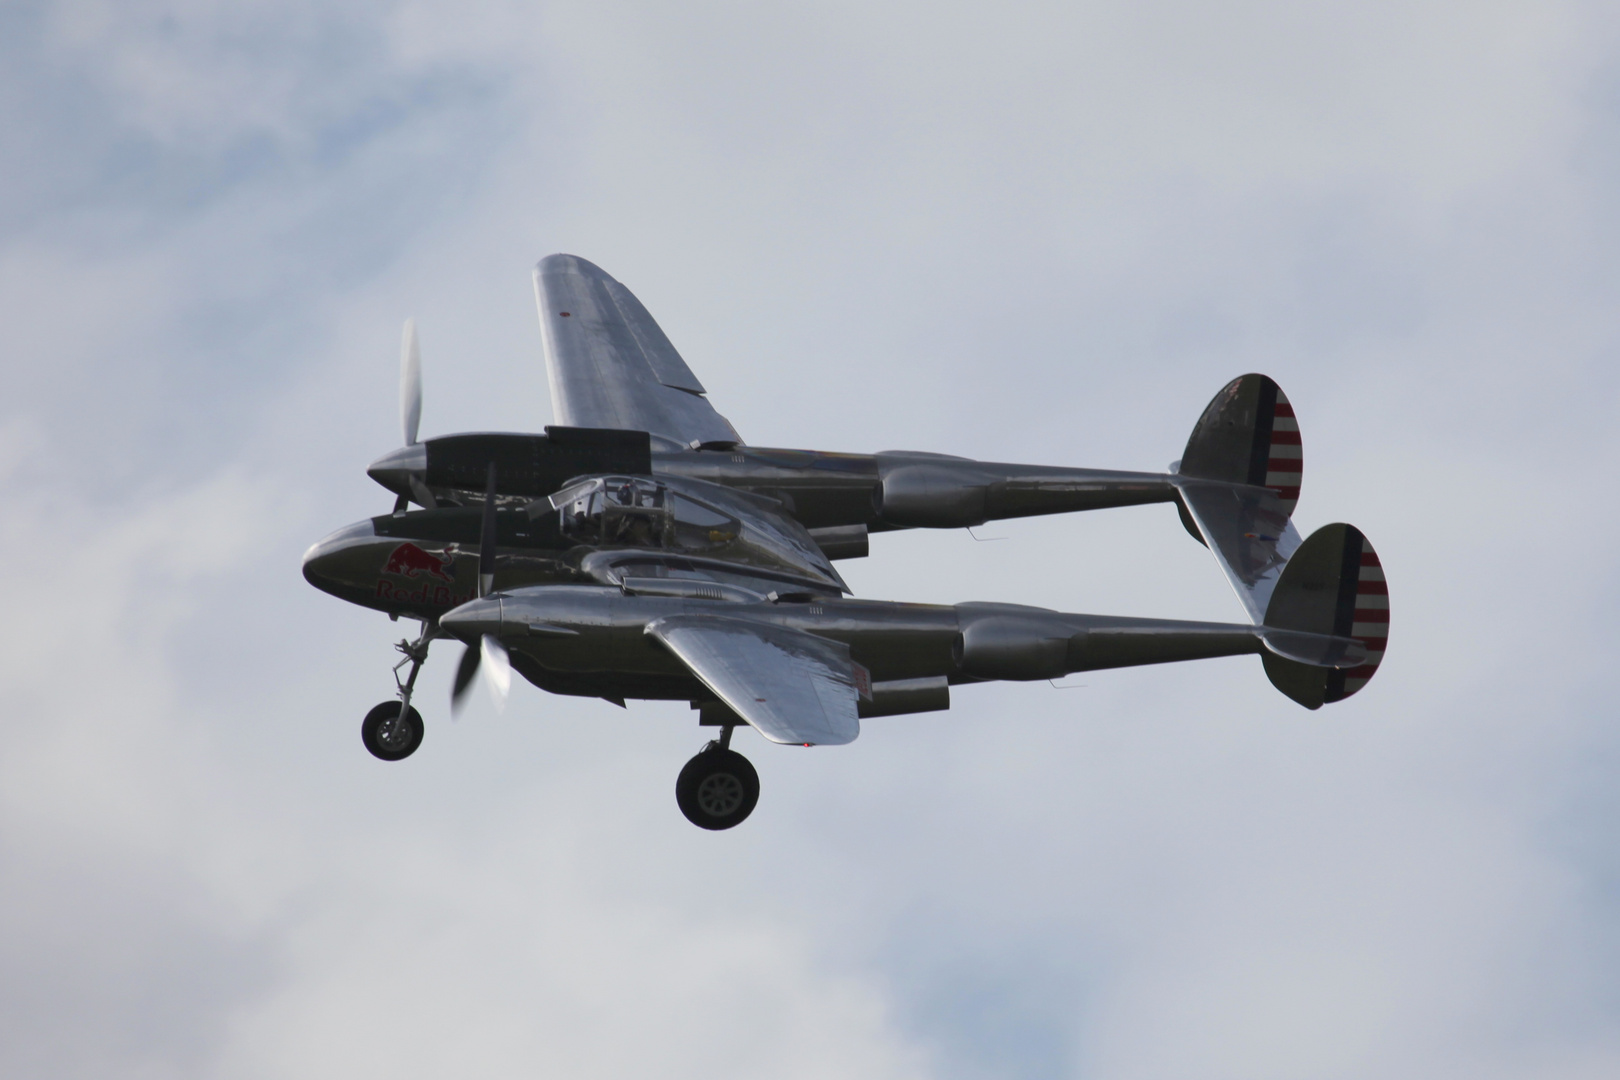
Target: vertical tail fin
[1333, 584]
[1248, 435]
[1239, 482]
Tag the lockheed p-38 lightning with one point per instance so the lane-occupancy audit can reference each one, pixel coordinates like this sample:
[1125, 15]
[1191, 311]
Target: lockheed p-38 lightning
[640, 549]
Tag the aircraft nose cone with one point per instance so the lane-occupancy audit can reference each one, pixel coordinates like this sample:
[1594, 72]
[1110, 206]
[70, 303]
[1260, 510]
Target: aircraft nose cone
[394, 469]
[324, 562]
[474, 619]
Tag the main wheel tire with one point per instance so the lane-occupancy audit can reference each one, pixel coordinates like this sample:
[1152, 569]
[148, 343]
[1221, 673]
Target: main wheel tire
[718, 789]
[388, 736]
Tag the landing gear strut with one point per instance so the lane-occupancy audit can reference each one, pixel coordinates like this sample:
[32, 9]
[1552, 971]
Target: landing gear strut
[718, 788]
[393, 730]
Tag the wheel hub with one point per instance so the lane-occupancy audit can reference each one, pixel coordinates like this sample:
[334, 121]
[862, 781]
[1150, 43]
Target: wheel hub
[720, 794]
[717, 789]
[394, 733]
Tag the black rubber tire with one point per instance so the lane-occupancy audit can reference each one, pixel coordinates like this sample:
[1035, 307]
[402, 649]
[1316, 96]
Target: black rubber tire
[717, 789]
[386, 737]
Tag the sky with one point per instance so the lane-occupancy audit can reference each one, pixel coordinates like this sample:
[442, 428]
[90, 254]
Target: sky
[1020, 232]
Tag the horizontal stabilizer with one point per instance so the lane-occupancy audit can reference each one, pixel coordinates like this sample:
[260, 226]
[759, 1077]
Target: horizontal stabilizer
[1333, 586]
[1248, 530]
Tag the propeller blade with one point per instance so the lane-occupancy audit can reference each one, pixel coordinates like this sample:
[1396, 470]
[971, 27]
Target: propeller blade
[466, 671]
[410, 383]
[497, 669]
[423, 494]
[486, 539]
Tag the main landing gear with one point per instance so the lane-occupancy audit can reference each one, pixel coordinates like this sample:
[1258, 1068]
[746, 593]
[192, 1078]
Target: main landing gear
[393, 730]
[719, 787]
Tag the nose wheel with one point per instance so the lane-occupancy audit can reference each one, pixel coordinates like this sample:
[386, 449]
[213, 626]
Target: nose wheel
[392, 731]
[718, 788]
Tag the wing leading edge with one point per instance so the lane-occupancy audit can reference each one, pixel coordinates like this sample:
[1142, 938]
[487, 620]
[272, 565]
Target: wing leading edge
[610, 365]
[792, 686]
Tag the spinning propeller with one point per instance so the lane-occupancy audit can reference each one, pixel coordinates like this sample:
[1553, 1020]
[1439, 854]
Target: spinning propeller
[410, 414]
[489, 655]
[410, 383]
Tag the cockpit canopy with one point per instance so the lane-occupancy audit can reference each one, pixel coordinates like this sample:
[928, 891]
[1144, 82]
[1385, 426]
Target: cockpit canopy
[634, 511]
[688, 517]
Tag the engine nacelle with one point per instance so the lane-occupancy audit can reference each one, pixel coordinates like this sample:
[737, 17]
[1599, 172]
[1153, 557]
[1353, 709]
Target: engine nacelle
[930, 496]
[1012, 647]
[527, 465]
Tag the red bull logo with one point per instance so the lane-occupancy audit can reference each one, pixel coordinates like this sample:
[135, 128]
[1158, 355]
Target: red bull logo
[408, 560]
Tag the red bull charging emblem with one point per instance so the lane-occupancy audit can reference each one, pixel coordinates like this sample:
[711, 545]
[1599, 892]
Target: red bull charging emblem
[408, 560]
[411, 562]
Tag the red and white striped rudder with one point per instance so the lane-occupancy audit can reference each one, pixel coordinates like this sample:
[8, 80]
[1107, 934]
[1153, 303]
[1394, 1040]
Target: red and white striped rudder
[1285, 455]
[1369, 616]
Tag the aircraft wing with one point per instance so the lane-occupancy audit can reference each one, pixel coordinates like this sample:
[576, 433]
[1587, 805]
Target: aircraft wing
[792, 686]
[610, 365]
[1248, 530]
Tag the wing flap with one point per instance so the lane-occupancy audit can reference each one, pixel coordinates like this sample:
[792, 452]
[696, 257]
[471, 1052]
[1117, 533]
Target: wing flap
[792, 686]
[611, 365]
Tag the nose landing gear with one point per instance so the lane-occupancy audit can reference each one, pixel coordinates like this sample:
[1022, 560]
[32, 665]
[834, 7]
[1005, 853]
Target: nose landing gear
[393, 730]
[718, 788]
